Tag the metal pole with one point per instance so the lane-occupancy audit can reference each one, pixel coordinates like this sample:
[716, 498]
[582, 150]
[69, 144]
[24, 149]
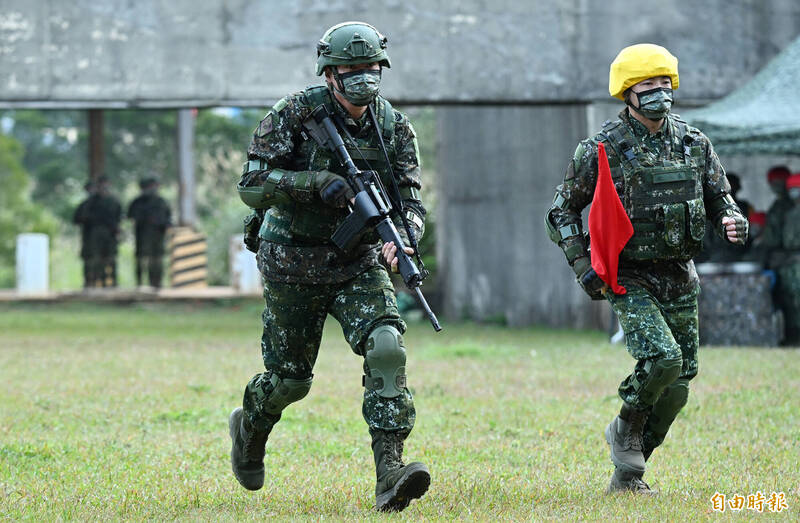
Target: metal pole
[186, 182]
[97, 163]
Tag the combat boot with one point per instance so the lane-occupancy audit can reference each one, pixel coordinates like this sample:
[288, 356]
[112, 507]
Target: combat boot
[624, 436]
[627, 482]
[247, 450]
[397, 484]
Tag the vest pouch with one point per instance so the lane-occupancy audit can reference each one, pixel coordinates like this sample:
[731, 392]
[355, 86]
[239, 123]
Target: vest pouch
[315, 222]
[674, 225]
[697, 219]
[276, 223]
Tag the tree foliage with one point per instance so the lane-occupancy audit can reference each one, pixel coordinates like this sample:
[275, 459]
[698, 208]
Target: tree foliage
[18, 214]
[142, 143]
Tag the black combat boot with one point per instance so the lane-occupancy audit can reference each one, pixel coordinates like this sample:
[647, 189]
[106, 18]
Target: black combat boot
[247, 450]
[627, 482]
[624, 436]
[397, 484]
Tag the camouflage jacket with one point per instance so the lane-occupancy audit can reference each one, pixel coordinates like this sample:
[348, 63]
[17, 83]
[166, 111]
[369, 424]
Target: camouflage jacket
[791, 232]
[151, 214]
[666, 279]
[776, 215]
[279, 143]
[99, 217]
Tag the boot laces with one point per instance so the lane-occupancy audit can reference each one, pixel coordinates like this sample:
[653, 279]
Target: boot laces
[638, 484]
[393, 451]
[254, 444]
[633, 438]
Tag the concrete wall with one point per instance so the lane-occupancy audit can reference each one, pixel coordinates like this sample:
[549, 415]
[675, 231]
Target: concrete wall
[498, 169]
[251, 52]
[521, 83]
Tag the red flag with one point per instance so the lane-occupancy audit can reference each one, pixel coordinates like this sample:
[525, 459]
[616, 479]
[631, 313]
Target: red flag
[609, 225]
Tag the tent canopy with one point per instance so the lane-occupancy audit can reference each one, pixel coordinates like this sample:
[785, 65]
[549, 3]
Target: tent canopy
[762, 116]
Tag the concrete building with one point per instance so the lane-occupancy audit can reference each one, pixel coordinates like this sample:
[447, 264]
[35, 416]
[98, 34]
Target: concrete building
[516, 84]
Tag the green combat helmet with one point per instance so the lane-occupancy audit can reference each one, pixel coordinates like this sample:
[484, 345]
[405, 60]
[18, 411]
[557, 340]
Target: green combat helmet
[351, 43]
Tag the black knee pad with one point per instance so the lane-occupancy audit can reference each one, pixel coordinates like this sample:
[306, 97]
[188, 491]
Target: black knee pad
[661, 372]
[669, 404]
[285, 391]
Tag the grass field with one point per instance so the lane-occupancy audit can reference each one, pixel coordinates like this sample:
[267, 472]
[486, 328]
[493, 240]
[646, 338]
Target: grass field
[121, 413]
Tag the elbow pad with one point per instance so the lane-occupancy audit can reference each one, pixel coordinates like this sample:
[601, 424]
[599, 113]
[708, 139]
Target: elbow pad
[261, 196]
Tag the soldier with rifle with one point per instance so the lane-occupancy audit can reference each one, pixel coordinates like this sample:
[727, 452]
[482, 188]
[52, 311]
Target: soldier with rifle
[333, 178]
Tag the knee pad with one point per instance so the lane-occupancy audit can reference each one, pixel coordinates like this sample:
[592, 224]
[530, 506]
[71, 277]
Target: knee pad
[385, 361]
[661, 373]
[672, 400]
[284, 392]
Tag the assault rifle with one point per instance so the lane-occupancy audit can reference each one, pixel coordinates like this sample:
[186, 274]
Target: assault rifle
[370, 209]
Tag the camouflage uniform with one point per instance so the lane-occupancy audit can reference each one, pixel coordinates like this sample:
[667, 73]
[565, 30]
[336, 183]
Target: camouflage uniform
[99, 217]
[773, 232]
[151, 215]
[306, 276]
[789, 275]
[659, 311]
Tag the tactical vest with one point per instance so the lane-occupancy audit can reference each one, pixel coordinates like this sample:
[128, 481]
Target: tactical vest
[315, 222]
[664, 201]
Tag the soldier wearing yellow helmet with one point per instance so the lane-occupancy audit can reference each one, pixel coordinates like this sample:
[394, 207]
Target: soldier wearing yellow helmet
[669, 181]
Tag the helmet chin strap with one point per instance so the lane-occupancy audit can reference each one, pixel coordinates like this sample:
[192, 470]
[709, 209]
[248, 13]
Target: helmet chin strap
[338, 85]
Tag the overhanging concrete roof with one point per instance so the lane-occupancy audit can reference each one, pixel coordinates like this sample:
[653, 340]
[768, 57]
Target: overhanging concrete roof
[191, 53]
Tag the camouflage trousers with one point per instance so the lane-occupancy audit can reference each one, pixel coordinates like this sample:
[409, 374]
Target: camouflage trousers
[293, 318]
[655, 329]
[100, 272]
[151, 267]
[789, 293]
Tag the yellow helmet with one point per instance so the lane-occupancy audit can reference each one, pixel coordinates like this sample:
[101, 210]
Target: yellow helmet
[640, 62]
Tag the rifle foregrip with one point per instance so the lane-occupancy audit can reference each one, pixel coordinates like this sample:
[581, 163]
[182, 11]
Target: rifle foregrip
[405, 265]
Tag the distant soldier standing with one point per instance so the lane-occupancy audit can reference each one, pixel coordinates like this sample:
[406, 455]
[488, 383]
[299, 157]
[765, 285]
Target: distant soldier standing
[669, 181]
[302, 198]
[151, 216]
[776, 215]
[99, 216]
[789, 270]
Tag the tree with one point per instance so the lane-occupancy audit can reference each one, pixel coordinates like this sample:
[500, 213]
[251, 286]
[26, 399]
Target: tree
[18, 214]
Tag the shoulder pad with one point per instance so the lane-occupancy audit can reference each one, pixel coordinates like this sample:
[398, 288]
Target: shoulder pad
[579, 150]
[610, 125]
[281, 104]
[677, 118]
[386, 117]
[316, 95]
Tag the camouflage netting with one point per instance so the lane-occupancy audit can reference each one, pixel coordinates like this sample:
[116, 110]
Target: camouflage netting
[761, 117]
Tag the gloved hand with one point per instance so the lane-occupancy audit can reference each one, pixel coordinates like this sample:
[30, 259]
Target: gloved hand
[735, 227]
[252, 224]
[588, 279]
[332, 188]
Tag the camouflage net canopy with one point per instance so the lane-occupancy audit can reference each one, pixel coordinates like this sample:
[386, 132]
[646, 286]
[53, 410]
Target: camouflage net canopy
[762, 116]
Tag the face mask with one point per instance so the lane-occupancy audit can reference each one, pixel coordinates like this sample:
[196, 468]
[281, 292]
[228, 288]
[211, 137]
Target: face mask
[794, 193]
[654, 104]
[360, 87]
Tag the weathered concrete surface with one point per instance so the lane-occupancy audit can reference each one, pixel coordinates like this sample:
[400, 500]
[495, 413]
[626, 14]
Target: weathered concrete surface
[498, 169]
[250, 52]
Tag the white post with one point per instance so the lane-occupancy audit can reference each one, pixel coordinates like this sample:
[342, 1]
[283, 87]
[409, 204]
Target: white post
[245, 276]
[33, 263]
[187, 212]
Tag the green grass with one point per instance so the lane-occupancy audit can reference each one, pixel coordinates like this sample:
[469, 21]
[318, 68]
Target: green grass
[121, 413]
